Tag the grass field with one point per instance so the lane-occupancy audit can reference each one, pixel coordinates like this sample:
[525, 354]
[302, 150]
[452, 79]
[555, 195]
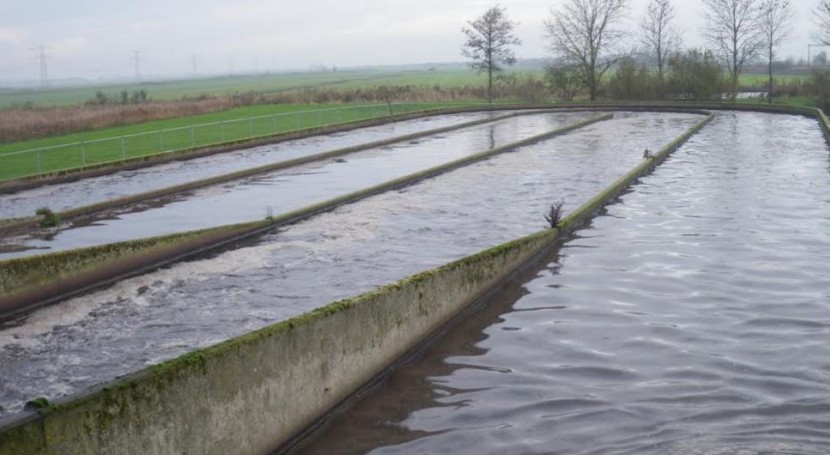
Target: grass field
[761, 79]
[265, 83]
[114, 144]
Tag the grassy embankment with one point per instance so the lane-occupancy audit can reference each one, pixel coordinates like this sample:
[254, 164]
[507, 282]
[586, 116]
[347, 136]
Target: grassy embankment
[161, 136]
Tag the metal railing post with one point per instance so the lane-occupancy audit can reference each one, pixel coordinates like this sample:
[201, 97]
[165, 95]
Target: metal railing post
[37, 160]
[222, 131]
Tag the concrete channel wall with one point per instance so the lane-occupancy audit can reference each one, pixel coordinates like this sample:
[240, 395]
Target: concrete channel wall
[31, 282]
[253, 393]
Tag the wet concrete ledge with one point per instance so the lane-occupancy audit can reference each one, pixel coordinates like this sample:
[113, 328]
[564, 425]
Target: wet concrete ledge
[257, 392]
[32, 282]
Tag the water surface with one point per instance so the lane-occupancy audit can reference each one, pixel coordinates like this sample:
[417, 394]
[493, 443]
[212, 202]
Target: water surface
[63, 196]
[282, 191]
[692, 317]
[358, 247]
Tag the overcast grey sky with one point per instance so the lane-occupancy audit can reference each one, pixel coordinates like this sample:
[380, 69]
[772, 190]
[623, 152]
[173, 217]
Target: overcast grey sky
[96, 38]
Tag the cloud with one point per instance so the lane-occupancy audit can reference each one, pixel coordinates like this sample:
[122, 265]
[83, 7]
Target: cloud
[12, 36]
[69, 47]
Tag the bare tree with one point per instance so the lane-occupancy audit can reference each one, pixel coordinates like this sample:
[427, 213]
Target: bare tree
[822, 13]
[584, 33]
[733, 29]
[776, 25]
[659, 33]
[488, 44]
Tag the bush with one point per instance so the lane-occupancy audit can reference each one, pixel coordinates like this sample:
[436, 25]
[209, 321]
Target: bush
[696, 76]
[554, 215]
[565, 81]
[819, 88]
[632, 82]
[48, 217]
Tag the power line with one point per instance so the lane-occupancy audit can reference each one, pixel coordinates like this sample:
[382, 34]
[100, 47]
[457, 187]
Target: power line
[137, 65]
[42, 64]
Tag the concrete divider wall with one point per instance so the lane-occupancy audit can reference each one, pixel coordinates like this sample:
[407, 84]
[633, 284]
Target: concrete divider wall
[34, 281]
[252, 393]
[31, 282]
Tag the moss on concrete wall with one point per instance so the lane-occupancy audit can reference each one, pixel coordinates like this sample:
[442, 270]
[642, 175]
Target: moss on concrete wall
[28, 282]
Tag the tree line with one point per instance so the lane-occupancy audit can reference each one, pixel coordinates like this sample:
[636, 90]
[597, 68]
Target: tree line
[594, 56]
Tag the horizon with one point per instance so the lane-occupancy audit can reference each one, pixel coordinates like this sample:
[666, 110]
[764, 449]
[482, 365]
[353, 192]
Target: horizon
[97, 41]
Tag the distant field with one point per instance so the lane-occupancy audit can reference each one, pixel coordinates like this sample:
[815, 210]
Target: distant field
[761, 79]
[266, 83]
[445, 76]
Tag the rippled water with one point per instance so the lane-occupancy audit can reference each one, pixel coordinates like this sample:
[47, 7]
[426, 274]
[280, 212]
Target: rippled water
[63, 196]
[693, 317]
[290, 189]
[360, 246]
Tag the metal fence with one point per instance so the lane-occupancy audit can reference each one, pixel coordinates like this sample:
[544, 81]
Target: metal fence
[42, 160]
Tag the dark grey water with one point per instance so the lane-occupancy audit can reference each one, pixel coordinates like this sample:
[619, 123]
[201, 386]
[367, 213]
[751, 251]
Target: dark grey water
[61, 197]
[282, 191]
[691, 318]
[147, 319]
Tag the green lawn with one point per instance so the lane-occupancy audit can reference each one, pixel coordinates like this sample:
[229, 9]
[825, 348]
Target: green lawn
[761, 79]
[33, 157]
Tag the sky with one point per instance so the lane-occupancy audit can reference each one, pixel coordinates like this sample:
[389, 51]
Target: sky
[100, 39]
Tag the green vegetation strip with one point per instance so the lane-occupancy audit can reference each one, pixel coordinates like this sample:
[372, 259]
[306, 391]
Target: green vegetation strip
[34, 281]
[78, 160]
[252, 393]
[14, 225]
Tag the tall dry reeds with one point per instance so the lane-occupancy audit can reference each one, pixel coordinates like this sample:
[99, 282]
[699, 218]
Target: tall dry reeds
[22, 123]
[26, 122]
